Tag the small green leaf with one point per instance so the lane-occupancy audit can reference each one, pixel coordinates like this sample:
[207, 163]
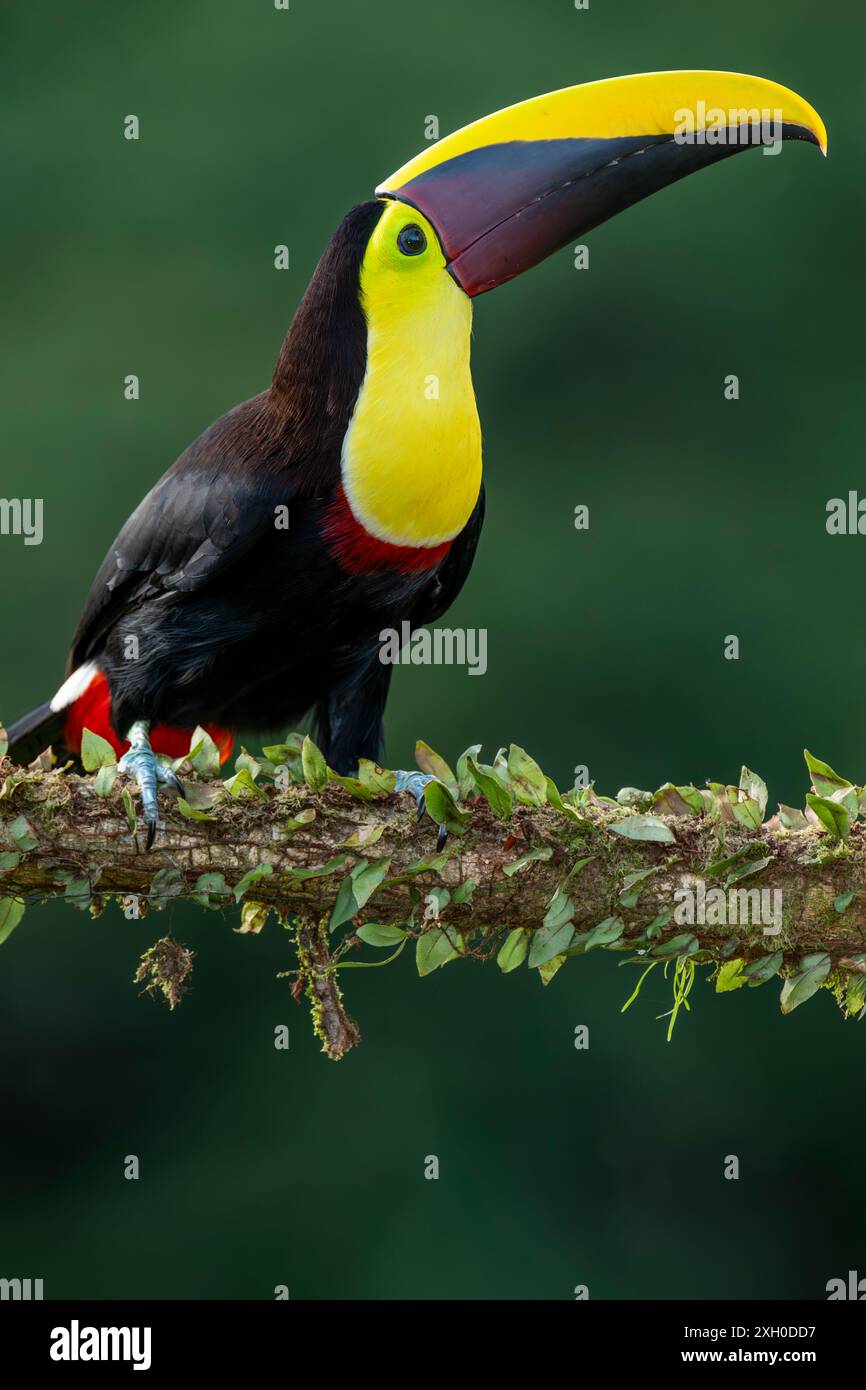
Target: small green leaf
[792, 818]
[745, 870]
[433, 950]
[717, 867]
[253, 918]
[129, 808]
[754, 787]
[560, 909]
[190, 812]
[380, 934]
[260, 871]
[353, 785]
[498, 797]
[10, 783]
[168, 883]
[463, 892]
[245, 760]
[95, 751]
[22, 833]
[654, 929]
[644, 828]
[555, 799]
[527, 779]
[281, 753]
[356, 890]
[731, 976]
[76, 890]
[431, 763]
[542, 852]
[209, 887]
[103, 782]
[608, 931]
[747, 812]
[808, 980]
[4, 742]
[204, 754]
[634, 796]
[683, 945]
[631, 890]
[855, 995]
[833, 817]
[443, 809]
[758, 972]
[11, 912]
[850, 800]
[512, 952]
[242, 786]
[677, 801]
[465, 780]
[549, 968]
[578, 866]
[366, 878]
[427, 865]
[378, 781]
[336, 865]
[549, 941]
[843, 901]
[365, 835]
[824, 779]
[9, 860]
[315, 768]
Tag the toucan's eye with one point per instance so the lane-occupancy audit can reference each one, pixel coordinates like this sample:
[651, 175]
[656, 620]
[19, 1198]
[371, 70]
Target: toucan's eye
[411, 240]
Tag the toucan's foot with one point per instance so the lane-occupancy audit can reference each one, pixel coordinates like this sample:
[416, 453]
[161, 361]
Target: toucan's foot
[415, 782]
[140, 762]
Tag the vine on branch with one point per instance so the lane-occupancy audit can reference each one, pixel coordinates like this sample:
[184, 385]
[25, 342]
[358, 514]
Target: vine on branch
[676, 879]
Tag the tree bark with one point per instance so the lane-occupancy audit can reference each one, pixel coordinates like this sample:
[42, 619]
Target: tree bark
[58, 837]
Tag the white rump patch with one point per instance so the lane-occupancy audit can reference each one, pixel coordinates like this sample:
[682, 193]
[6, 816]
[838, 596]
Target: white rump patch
[75, 686]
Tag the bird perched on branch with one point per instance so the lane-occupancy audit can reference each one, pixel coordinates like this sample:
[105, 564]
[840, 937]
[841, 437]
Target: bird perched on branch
[252, 583]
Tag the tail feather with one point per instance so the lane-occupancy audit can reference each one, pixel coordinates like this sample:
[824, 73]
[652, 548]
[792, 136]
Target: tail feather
[34, 732]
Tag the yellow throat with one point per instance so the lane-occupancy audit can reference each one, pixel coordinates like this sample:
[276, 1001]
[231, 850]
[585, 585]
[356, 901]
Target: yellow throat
[412, 453]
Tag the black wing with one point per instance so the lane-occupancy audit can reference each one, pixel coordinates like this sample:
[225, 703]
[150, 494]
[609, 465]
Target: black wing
[202, 516]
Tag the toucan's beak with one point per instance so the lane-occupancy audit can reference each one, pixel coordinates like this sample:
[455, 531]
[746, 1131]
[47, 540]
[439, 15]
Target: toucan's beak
[514, 187]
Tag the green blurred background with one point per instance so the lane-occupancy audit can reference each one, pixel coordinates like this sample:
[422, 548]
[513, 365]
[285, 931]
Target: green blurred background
[558, 1167]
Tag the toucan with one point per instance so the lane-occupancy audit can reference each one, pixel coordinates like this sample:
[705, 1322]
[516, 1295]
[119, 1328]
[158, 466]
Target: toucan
[252, 583]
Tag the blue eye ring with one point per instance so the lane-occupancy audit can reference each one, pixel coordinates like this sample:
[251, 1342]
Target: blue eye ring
[411, 239]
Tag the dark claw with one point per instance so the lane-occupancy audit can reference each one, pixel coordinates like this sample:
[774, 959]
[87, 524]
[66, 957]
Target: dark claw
[171, 779]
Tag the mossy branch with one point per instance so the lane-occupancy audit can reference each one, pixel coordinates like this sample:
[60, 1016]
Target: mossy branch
[677, 878]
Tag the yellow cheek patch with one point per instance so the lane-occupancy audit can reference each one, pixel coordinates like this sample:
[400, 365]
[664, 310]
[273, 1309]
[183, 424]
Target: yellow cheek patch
[412, 452]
